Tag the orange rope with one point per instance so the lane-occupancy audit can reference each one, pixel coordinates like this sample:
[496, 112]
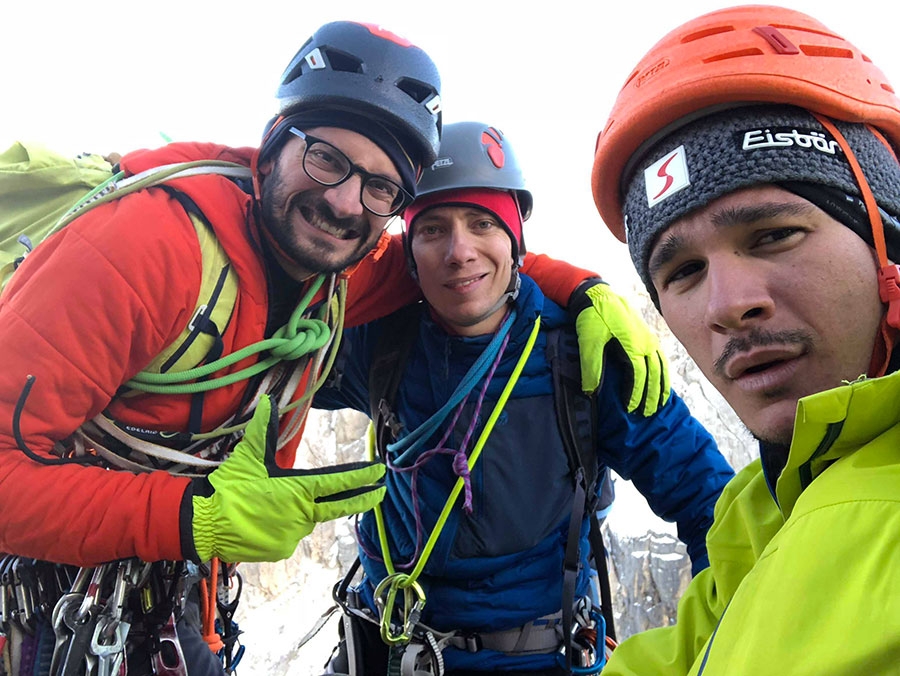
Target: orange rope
[208, 594]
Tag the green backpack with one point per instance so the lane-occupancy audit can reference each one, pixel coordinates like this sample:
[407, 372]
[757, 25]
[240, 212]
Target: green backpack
[42, 191]
[37, 187]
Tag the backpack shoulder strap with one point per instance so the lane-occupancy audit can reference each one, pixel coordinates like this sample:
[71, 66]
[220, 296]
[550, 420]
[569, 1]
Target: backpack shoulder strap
[576, 412]
[201, 339]
[576, 416]
[398, 333]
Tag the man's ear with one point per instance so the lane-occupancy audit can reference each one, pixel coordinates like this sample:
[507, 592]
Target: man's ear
[265, 168]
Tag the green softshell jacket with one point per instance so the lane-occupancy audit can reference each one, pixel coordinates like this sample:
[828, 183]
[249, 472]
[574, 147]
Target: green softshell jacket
[807, 581]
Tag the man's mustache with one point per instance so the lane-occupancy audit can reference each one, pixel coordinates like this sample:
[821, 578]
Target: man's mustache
[759, 338]
[321, 208]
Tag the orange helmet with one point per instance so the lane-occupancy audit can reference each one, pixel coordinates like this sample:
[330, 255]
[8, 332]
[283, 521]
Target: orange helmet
[749, 54]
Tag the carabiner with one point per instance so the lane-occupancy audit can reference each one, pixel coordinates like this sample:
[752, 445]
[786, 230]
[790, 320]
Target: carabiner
[413, 602]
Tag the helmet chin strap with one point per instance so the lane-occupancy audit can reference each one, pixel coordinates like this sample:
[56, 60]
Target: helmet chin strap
[888, 273]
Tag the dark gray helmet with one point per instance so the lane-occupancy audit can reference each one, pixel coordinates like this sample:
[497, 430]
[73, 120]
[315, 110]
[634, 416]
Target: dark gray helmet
[476, 155]
[369, 71]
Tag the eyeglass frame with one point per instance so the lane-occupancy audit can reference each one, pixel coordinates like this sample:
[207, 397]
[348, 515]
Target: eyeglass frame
[365, 176]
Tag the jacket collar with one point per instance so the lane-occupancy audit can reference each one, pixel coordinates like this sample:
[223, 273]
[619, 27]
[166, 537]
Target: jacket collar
[833, 424]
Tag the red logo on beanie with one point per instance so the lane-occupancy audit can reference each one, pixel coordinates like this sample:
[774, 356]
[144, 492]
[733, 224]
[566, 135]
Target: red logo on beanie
[666, 176]
[492, 139]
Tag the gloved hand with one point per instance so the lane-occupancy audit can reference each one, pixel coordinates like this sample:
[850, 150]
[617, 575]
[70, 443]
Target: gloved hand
[608, 327]
[249, 509]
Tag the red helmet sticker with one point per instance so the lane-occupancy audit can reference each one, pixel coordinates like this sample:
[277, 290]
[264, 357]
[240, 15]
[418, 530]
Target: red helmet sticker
[492, 139]
[380, 32]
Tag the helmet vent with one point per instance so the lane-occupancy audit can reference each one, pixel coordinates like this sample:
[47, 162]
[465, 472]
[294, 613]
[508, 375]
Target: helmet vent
[416, 90]
[738, 53]
[709, 32]
[343, 62]
[821, 50]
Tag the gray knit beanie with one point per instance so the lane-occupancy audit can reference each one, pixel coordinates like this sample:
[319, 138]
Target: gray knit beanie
[748, 146]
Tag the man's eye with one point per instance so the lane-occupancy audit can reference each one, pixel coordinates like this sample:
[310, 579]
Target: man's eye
[322, 157]
[485, 225]
[684, 272]
[777, 235]
[382, 187]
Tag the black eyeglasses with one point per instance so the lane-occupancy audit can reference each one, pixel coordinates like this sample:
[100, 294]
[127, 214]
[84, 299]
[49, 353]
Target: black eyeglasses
[327, 165]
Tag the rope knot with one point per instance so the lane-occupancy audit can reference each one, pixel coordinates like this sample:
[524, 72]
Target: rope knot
[297, 339]
[461, 469]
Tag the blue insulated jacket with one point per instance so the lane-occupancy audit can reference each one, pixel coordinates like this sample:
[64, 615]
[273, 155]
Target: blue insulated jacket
[501, 566]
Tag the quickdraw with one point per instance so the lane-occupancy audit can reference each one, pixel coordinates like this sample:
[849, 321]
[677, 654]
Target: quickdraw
[589, 628]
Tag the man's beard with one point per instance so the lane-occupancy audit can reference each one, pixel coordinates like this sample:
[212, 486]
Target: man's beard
[309, 255]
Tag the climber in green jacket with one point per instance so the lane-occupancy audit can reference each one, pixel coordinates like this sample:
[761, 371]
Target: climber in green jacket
[750, 164]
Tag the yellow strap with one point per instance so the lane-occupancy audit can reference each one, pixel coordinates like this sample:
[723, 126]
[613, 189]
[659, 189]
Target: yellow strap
[395, 580]
[215, 262]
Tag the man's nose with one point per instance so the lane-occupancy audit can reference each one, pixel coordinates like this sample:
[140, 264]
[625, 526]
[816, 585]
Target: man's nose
[739, 295]
[460, 246]
[344, 198]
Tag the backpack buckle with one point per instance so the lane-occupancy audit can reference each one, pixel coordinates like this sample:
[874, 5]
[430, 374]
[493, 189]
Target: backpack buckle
[201, 312]
[473, 642]
[387, 418]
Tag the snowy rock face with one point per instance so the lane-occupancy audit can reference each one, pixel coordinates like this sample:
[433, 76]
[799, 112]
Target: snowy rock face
[649, 567]
[648, 575]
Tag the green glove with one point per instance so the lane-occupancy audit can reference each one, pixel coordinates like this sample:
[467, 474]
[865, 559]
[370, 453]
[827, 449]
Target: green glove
[249, 509]
[608, 327]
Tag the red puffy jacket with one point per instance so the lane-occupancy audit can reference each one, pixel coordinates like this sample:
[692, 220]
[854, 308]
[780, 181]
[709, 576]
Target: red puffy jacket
[92, 306]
